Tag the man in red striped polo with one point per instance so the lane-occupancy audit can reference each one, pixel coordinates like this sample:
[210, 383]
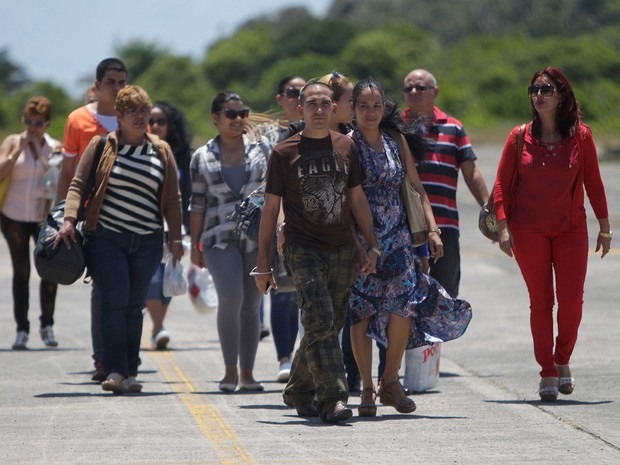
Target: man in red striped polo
[448, 151]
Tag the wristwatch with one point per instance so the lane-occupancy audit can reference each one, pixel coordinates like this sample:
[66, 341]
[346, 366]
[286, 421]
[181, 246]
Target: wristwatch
[436, 230]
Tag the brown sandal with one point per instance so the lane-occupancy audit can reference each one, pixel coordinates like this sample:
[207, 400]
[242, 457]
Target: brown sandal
[388, 394]
[367, 407]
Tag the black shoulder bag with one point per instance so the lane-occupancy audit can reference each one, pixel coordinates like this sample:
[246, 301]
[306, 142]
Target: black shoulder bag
[63, 265]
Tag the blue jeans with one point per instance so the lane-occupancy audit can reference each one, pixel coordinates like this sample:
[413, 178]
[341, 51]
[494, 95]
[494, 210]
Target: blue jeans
[284, 322]
[122, 265]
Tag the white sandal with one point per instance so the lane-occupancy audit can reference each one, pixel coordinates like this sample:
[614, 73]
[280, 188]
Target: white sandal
[548, 389]
[566, 384]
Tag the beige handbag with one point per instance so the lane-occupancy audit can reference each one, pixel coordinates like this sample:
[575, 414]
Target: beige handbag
[411, 201]
[487, 221]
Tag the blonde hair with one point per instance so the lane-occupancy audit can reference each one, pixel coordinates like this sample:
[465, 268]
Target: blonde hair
[132, 97]
[338, 83]
[39, 106]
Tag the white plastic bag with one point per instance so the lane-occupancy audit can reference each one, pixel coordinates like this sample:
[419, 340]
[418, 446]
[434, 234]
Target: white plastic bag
[202, 291]
[422, 367]
[47, 185]
[174, 280]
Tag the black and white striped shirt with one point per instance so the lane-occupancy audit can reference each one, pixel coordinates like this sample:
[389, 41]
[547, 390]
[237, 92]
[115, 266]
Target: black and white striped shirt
[131, 202]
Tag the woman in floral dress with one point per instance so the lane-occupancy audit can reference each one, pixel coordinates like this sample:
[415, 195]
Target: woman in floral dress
[398, 306]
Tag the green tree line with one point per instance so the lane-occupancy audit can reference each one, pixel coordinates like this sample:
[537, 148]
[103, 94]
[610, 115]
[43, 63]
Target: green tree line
[483, 53]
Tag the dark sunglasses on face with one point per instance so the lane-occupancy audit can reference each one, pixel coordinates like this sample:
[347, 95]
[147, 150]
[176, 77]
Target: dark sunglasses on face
[292, 92]
[417, 87]
[36, 124]
[158, 121]
[233, 114]
[547, 90]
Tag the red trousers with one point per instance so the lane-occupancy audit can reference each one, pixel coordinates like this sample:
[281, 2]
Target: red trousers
[541, 258]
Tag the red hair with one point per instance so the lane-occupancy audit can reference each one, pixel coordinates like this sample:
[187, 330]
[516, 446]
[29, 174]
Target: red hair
[568, 114]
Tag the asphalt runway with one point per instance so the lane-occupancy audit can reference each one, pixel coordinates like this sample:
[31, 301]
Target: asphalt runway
[484, 410]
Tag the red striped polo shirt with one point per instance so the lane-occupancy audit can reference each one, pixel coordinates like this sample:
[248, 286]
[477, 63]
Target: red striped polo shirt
[447, 147]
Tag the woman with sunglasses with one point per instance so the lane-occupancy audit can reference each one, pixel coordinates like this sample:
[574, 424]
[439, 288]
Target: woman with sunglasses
[287, 98]
[284, 311]
[225, 170]
[539, 201]
[169, 124]
[24, 161]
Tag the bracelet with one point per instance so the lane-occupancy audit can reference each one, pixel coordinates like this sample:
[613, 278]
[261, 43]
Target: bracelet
[375, 250]
[195, 246]
[606, 235]
[255, 272]
[177, 241]
[436, 230]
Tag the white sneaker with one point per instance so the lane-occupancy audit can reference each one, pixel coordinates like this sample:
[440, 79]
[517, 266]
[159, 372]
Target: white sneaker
[285, 372]
[20, 341]
[161, 340]
[47, 336]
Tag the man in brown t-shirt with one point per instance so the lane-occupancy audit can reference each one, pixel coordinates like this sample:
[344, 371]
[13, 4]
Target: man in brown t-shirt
[316, 176]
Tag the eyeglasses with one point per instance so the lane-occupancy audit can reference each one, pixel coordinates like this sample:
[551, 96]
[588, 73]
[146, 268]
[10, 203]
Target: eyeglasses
[232, 114]
[547, 90]
[417, 87]
[144, 111]
[158, 121]
[292, 92]
[36, 124]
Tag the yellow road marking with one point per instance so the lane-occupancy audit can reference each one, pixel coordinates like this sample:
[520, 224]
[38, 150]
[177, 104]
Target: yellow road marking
[209, 419]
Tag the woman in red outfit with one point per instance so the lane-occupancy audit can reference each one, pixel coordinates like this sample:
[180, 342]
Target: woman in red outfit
[539, 199]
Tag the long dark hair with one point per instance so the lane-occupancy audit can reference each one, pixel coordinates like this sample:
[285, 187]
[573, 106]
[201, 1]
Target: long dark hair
[282, 84]
[221, 98]
[179, 135]
[392, 119]
[568, 113]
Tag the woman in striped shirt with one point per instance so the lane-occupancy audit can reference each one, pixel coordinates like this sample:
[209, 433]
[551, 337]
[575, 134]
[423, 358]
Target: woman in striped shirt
[136, 189]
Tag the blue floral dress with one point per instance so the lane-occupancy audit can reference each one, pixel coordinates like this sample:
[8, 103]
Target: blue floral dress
[397, 287]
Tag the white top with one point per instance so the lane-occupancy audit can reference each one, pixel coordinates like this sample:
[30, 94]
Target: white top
[26, 200]
[108, 122]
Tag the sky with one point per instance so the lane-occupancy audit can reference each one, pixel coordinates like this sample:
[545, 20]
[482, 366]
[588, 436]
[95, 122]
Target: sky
[63, 40]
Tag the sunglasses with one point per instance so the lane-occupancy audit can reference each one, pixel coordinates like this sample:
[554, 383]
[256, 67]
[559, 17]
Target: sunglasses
[233, 114]
[36, 124]
[158, 121]
[417, 87]
[292, 92]
[547, 90]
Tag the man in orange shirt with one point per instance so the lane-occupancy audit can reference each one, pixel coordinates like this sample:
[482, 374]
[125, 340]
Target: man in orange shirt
[95, 118]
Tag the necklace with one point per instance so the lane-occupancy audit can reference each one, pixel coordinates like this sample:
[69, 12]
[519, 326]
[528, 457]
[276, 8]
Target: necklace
[551, 150]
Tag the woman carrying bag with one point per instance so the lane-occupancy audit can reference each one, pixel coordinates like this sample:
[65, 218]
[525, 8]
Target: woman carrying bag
[136, 189]
[398, 306]
[24, 162]
[541, 219]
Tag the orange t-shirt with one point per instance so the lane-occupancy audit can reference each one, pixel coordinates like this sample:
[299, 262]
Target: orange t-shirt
[81, 126]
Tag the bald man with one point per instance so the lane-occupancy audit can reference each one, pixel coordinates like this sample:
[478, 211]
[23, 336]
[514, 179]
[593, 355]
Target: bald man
[448, 151]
